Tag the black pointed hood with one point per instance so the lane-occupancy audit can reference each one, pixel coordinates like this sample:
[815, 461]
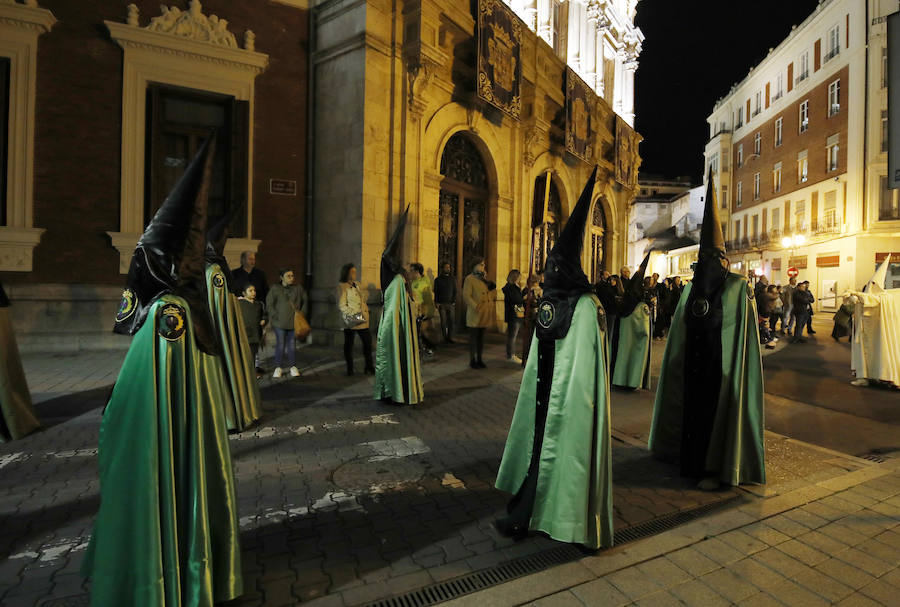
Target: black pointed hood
[169, 257]
[390, 259]
[634, 289]
[711, 238]
[704, 302]
[216, 237]
[564, 279]
[4, 300]
[563, 273]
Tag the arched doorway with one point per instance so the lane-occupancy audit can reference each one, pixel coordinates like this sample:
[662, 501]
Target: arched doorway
[598, 241]
[462, 229]
[546, 217]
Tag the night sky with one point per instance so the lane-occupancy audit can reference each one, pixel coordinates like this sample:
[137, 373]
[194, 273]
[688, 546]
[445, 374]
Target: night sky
[693, 51]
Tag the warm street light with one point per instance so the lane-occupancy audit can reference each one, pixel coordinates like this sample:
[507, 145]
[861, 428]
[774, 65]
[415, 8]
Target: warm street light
[793, 241]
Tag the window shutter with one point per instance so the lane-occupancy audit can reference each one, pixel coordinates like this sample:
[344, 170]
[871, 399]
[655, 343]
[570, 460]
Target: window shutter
[817, 55]
[790, 76]
[787, 214]
[847, 32]
[767, 95]
[814, 206]
[748, 110]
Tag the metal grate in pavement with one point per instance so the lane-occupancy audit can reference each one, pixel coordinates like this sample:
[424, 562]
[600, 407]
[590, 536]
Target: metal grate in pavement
[493, 576]
[872, 457]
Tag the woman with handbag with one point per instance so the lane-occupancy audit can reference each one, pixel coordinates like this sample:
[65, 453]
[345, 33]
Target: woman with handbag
[355, 316]
[513, 312]
[283, 302]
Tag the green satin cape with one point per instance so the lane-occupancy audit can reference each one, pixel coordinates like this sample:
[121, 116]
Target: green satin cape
[736, 447]
[167, 530]
[238, 365]
[17, 418]
[397, 372]
[633, 358]
[573, 502]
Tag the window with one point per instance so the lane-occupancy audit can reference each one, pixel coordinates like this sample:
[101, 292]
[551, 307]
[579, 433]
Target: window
[888, 205]
[804, 67]
[739, 121]
[800, 216]
[834, 98]
[756, 186]
[884, 131]
[757, 144]
[757, 103]
[831, 148]
[724, 196]
[737, 229]
[776, 177]
[555, 25]
[834, 42]
[804, 116]
[739, 196]
[779, 127]
[740, 155]
[884, 67]
[829, 215]
[776, 220]
[779, 86]
[724, 163]
[802, 167]
[714, 164]
[755, 226]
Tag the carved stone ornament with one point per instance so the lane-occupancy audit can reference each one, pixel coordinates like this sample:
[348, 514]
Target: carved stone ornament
[419, 76]
[192, 24]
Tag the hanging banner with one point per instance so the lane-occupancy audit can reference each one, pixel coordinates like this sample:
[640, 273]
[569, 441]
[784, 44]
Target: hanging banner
[626, 172]
[580, 128]
[499, 52]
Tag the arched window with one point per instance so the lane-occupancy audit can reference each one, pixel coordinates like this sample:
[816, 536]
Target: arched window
[546, 219]
[598, 241]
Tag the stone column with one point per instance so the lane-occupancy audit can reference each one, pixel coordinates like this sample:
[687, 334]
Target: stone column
[544, 25]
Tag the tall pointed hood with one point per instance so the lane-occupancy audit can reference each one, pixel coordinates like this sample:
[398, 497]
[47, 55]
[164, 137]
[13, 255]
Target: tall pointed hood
[216, 237]
[169, 257]
[390, 260]
[878, 281]
[634, 289]
[711, 238]
[563, 274]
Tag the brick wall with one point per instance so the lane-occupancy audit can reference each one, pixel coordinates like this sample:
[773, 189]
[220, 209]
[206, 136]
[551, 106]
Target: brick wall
[78, 136]
[821, 127]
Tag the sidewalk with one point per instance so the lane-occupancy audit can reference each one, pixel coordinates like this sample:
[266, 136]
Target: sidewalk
[346, 501]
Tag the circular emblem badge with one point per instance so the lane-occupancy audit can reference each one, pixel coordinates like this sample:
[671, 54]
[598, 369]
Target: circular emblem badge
[645, 309]
[126, 306]
[700, 307]
[750, 292]
[546, 314]
[218, 280]
[170, 323]
[601, 318]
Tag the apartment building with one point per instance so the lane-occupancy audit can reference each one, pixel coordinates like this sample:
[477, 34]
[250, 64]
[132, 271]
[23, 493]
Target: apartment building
[798, 155]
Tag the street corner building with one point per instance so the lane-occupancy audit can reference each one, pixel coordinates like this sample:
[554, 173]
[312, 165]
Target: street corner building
[332, 116]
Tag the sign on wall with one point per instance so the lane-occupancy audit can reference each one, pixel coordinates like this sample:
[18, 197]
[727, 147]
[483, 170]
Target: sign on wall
[283, 187]
[499, 57]
[580, 111]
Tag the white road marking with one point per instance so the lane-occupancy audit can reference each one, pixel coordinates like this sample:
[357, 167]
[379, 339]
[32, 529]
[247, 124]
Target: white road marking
[270, 431]
[72, 453]
[11, 458]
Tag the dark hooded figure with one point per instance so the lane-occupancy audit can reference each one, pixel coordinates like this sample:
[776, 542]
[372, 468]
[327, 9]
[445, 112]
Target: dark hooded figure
[557, 460]
[242, 408]
[167, 530]
[17, 418]
[630, 350]
[397, 373]
[709, 402]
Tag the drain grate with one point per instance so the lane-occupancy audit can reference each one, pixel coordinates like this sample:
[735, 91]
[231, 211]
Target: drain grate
[874, 458]
[480, 580]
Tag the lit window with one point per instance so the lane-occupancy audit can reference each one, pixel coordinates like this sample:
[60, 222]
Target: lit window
[804, 66]
[757, 144]
[888, 207]
[802, 167]
[739, 122]
[757, 103]
[776, 177]
[804, 116]
[779, 126]
[779, 86]
[756, 186]
[740, 155]
[834, 97]
[739, 195]
[832, 150]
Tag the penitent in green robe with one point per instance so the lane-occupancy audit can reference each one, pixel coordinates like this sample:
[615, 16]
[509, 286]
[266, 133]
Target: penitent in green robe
[736, 449]
[632, 369]
[17, 418]
[573, 501]
[237, 360]
[167, 530]
[397, 372]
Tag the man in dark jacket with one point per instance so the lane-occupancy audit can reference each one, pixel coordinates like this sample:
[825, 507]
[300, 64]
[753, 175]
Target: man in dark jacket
[249, 274]
[802, 301]
[445, 300]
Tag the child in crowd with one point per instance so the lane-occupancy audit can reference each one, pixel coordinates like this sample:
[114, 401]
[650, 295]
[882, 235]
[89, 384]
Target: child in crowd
[254, 314]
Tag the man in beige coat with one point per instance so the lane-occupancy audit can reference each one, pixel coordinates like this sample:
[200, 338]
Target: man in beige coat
[479, 299]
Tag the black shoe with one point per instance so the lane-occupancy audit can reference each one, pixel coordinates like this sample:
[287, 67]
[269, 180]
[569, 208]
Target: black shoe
[480, 365]
[810, 332]
[508, 529]
[474, 364]
[260, 370]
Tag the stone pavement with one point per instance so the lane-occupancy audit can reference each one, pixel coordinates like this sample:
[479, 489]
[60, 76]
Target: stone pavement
[344, 500]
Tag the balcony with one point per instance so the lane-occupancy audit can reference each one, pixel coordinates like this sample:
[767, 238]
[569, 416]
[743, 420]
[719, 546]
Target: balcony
[775, 235]
[738, 244]
[827, 225]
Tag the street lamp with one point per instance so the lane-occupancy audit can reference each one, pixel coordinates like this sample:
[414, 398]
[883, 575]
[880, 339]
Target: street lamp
[789, 242]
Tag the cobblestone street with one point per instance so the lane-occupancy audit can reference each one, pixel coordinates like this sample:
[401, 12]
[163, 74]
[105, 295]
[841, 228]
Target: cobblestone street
[347, 501]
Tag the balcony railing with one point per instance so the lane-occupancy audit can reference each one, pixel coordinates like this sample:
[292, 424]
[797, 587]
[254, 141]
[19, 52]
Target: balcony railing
[832, 54]
[801, 77]
[775, 235]
[825, 226]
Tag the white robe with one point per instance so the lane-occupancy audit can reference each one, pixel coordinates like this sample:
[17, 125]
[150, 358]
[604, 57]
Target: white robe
[875, 353]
